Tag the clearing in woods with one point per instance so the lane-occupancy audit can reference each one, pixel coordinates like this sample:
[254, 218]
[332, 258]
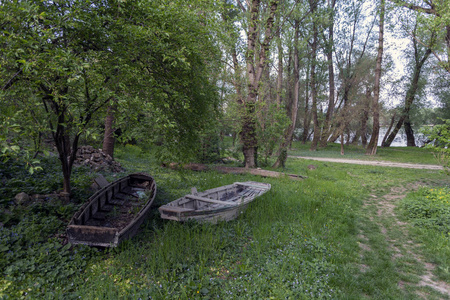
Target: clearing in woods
[384, 239]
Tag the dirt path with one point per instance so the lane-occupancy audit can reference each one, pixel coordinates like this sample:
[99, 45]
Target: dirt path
[373, 163]
[386, 247]
[385, 239]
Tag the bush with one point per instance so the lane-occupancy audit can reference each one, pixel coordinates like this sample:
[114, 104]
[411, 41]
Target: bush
[429, 208]
[439, 137]
[15, 179]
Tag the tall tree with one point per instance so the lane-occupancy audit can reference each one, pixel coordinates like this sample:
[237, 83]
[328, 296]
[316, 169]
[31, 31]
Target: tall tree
[256, 58]
[419, 59]
[281, 155]
[313, 4]
[373, 143]
[353, 65]
[73, 57]
[329, 46]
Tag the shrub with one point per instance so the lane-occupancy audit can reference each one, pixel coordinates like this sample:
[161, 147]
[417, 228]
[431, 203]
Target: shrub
[429, 208]
[439, 137]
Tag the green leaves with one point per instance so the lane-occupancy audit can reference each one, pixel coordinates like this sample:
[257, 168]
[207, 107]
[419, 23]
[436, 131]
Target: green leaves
[439, 137]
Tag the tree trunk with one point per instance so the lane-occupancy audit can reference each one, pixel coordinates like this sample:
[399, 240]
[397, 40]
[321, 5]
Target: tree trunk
[256, 64]
[373, 143]
[331, 93]
[317, 133]
[412, 90]
[447, 42]
[248, 133]
[306, 116]
[280, 70]
[365, 117]
[294, 108]
[389, 129]
[356, 138]
[410, 140]
[109, 138]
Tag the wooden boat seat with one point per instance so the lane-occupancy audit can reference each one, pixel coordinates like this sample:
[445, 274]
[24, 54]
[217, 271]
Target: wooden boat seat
[116, 202]
[204, 199]
[101, 216]
[101, 181]
[250, 185]
[176, 209]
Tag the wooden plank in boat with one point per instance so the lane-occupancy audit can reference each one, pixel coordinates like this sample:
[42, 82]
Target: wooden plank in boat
[251, 185]
[118, 197]
[129, 191]
[106, 208]
[137, 188]
[116, 202]
[100, 216]
[176, 209]
[210, 200]
[184, 201]
[101, 181]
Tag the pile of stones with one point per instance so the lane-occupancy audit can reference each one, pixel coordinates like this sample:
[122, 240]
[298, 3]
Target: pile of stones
[96, 159]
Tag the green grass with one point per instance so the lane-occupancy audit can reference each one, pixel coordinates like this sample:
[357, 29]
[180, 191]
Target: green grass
[428, 210]
[302, 240]
[394, 154]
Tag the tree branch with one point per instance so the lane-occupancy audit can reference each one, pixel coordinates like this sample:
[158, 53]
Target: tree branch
[12, 80]
[430, 11]
[241, 6]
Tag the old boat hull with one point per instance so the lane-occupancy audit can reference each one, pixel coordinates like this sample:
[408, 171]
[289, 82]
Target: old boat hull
[114, 213]
[220, 204]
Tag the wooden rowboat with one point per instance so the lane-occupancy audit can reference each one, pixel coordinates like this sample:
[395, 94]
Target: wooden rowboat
[114, 213]
[219, 204]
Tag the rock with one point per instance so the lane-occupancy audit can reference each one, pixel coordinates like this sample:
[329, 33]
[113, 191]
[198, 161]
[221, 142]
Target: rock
[96, 159]
[21, 198]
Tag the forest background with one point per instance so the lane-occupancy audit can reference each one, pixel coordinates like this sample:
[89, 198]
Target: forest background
[238, 82]
[182, 75]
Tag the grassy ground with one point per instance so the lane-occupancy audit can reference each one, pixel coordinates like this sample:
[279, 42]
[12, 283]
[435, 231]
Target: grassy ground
[394, 154]
[335, 235]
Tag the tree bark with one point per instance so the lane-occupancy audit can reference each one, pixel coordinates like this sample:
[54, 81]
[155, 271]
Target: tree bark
[410, 140]
[306, 116]
[280, 70]
[109, 138]
[317, 134]
[331, 83]
[389, 129]
[373, 143]
[365, 117]
[294, 107]
[255, 70]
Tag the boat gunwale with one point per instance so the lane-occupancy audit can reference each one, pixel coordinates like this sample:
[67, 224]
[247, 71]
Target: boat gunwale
[138, 218]
[208, 211]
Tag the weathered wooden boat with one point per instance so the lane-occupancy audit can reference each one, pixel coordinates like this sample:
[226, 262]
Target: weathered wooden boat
[114, 213]
[219, 204]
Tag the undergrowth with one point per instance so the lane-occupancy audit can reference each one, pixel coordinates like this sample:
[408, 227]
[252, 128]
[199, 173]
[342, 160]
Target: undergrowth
[428, 210]
[297, 241]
